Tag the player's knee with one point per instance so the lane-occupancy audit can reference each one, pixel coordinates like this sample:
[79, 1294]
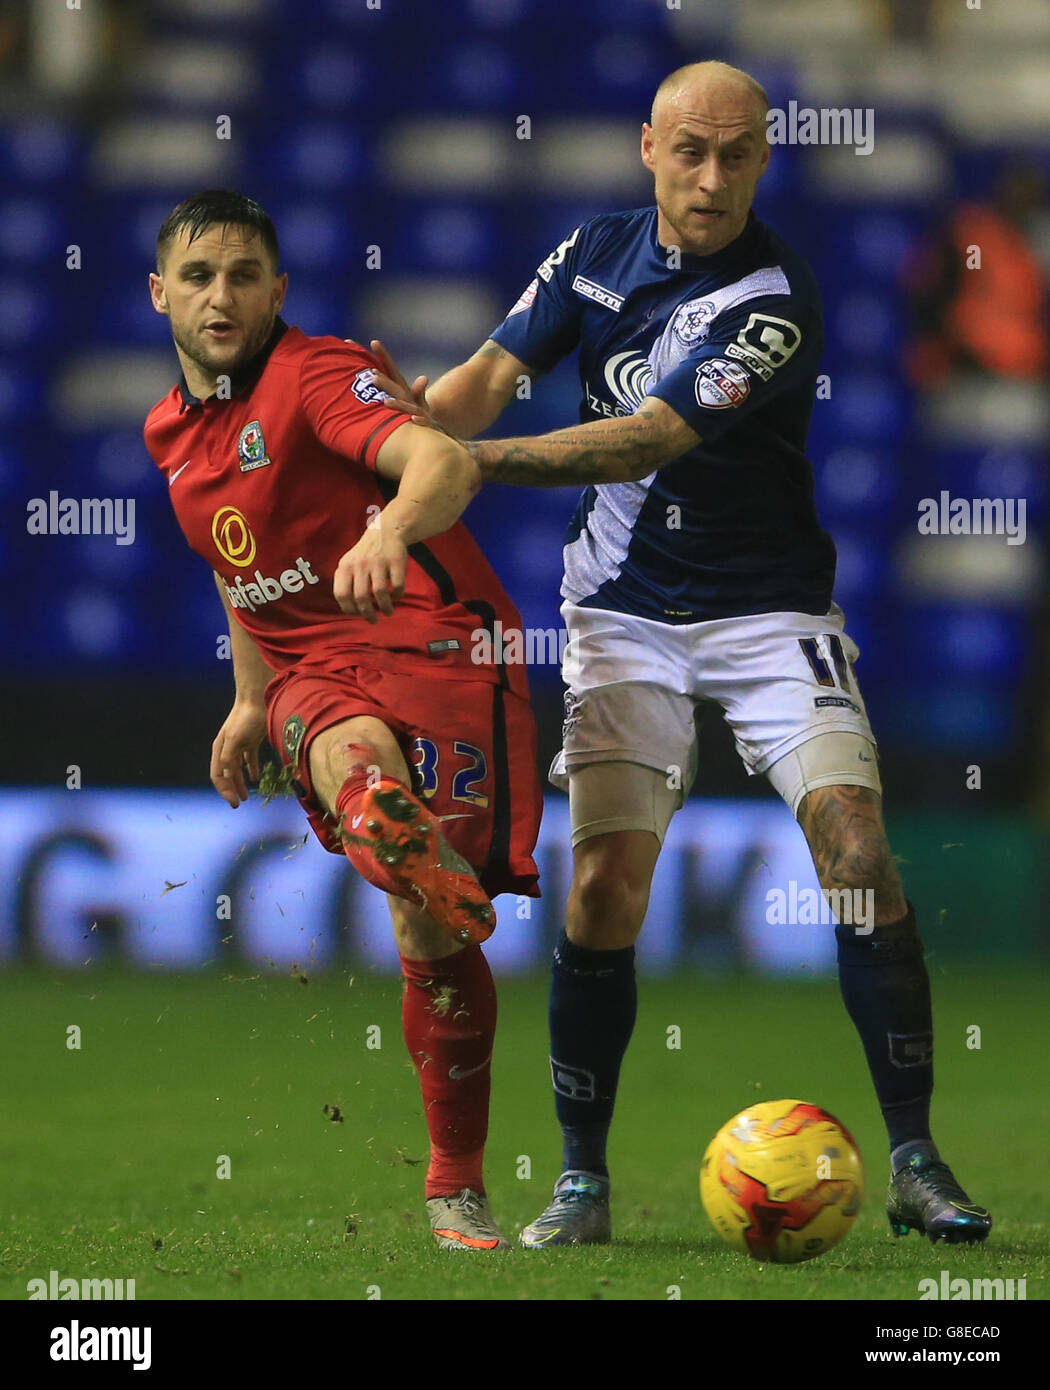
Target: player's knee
[864, 864]
[339, 752]
[607, 904]
[864, 860]
[356, 755]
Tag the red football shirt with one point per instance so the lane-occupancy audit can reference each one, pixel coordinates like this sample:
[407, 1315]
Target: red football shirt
[273, 485]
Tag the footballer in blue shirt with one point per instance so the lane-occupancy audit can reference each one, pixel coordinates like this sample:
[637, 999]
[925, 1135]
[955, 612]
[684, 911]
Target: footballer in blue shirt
[696, 570]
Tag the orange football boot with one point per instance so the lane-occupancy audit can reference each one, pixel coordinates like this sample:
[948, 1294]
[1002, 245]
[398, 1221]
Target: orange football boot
[406, 840]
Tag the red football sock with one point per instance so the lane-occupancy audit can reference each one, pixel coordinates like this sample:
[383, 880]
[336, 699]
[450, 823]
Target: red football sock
[348, 805]
[449, 1016]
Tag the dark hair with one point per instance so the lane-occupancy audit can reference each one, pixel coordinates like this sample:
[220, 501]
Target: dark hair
[204, 210]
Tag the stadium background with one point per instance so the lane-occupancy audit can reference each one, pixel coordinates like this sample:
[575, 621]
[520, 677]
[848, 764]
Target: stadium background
[397, 128]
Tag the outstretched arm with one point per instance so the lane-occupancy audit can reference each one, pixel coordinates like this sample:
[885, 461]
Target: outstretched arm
[602, 451]
[467, 399]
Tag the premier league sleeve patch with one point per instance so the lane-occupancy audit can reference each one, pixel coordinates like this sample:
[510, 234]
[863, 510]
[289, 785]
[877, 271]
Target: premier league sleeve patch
[528, 294]
[365, 389]
[251, 448]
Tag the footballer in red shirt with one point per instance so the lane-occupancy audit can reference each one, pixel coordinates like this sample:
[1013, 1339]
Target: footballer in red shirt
[354, 596]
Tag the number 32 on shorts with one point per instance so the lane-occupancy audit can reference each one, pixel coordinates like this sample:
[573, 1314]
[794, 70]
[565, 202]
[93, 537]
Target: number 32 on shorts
[465, 779]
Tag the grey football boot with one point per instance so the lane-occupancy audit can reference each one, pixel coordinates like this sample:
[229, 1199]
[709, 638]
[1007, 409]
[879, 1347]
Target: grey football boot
[578, 1214]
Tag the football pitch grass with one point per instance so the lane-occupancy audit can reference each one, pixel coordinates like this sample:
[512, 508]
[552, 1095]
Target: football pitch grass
[110, 1152]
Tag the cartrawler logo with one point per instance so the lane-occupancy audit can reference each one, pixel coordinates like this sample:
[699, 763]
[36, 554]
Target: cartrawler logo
[628, 376]
[232, 536]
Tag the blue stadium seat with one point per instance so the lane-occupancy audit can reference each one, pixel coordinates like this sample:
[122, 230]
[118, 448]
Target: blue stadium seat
[858, 483]
[95, 622]
[621, 70]
[779, 186]
[90, 559]
[317, 304]
[858, 247]
[194, 625]
[862, 624]
[861, 571]
[326, 156]
[130, 318]
[15, 476]
[22, 390]
[548, 222]
[37, 151]
[1007, 472]
[962, 718]
[28, 314]
[864, 407]
[435, 236]
[327, 78]
[948, 641]
[33, 228]
[553, 17]
[978, 166]
[116, 461]
[131, 255]
[358, 17]
[477, 74]
[494, 15]
[878, 240]
[865, 326]
[314, 234]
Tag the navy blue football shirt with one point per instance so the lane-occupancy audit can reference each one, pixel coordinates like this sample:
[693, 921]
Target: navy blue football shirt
[732, 342]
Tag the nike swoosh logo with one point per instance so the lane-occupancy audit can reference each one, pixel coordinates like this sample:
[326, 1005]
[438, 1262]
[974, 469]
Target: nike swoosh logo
[472, 1241]
[356, 822]
[457, 1073]
[549, 1236]
[463, 815]
[178, 471]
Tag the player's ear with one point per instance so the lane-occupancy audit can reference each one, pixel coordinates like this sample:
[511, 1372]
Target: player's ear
[647, 145]
[280, 290]
[156, 293]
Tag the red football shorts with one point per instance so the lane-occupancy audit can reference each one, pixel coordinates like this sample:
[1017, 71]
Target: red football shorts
[469, 745]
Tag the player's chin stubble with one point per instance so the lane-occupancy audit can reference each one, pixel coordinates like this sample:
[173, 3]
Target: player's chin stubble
[213, 362]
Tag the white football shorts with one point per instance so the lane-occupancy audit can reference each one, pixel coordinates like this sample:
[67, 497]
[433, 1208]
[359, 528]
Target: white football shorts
[781, 680]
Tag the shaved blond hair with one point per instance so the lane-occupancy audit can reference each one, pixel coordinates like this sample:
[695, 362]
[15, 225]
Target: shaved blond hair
[682, 77]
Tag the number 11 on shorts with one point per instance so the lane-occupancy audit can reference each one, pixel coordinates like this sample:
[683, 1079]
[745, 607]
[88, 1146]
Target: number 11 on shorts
[819, 666]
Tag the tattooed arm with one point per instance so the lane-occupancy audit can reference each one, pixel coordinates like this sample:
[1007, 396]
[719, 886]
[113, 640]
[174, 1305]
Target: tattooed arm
[602, 451]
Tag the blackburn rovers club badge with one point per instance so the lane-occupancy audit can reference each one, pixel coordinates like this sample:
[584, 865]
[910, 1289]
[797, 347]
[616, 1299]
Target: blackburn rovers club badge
[251, 448]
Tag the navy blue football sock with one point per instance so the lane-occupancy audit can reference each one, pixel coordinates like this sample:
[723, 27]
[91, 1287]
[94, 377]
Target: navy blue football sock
[594, 999]
[886, 991]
